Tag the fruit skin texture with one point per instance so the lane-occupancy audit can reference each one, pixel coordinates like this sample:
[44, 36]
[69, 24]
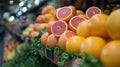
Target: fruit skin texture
[93, 45]
[33, 34]
[38, 27]
[82, 29]
[49, 17]
[63, 39]
[97, 25]
[48, 27]
[44, 37]
[40, 19]
[52, 41]
[79, 12]
[113, 24]
[73, 13]
[48, 10]
[74, 43]
[110, 55]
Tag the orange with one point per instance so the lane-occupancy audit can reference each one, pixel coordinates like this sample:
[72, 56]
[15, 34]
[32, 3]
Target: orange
[74, 43]
[110, 55]
[48, 10]
[48, 27]
[97, 25]
[65, 13]
[33, 34]
[38, 27]
[43, 38]
[79, 12]
[52, 41]
[93, 45]
[40, 19]
[82, 29]
[113, 24]
[49, 17]
[63, 39]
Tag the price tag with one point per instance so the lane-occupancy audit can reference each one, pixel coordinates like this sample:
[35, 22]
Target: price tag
[49, 54]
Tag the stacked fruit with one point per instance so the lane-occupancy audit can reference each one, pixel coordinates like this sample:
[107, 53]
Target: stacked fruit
[92, 32]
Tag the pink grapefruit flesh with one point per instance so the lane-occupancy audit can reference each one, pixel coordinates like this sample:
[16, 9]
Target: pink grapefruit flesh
[92, 11]
[58, 28]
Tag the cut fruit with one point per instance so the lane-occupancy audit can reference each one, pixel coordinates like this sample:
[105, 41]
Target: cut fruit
[44, 37]
[65, 13]
[82, 29]
[59, 27]
[79, 12]
[63, 39]
[48, 27]
[52, 41]
[74, 21]
[92, 11]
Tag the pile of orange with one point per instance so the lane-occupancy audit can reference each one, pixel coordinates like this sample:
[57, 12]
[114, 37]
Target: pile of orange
[95, 34]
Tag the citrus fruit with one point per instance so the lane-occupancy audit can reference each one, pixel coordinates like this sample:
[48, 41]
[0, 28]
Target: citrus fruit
[82, 29]
[40, 19]
[38, 27]
[59, 27]
[113, 24]
[92, 11]
[110, 55]
[79, 12]
[97, 25]
[84, 16]
[74, 43]
[33, 34]
[49, 17]
[74, 21]
[48, 9]
[52, 41]
[43, 38]
[93, 45]
[63, 38]
[48, 27]
[65, 13]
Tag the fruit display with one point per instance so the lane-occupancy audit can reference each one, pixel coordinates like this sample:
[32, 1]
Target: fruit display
[64, 34]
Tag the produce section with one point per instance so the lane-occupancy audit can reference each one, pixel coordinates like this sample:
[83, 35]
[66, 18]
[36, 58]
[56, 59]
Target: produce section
[64, 36]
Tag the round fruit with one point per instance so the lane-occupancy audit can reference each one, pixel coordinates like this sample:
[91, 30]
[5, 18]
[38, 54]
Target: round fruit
[84, 16]
[49, 17]
[113, 24]
[74, 21]
[48, 10]
[48, 27]
[26, 33]
[52, 41]
[38, 27]
[65, 13]
[92, 11]
[63, 39]
[33, 34]
[40, 19]
[93, 45]
[74, 43]
[59, 27]
[97, 25]
[44, 37]
[79, 12]
[82, 29]
[110, 55]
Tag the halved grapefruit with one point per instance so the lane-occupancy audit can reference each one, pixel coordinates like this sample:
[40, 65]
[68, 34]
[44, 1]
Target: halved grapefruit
[63, 38]
[74, 21]
[59, 27]
[65, 13]
[92, 11]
